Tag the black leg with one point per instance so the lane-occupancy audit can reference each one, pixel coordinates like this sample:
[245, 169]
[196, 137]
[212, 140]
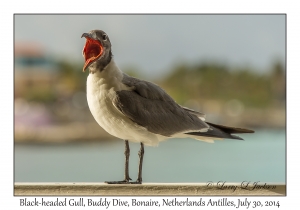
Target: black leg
[126, 177]
[127, 153]
[141, 155]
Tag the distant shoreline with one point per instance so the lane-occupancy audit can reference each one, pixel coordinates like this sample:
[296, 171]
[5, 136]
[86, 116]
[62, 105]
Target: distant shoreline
[79, 132]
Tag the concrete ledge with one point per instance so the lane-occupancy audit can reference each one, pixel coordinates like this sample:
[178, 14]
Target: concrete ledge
[150, 189]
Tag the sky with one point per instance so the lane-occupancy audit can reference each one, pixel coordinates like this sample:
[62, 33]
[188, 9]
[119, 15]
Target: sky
[153, 44]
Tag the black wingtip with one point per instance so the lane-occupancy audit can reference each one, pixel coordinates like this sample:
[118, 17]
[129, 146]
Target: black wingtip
[230, 130]
[237, 137]
[220, 131]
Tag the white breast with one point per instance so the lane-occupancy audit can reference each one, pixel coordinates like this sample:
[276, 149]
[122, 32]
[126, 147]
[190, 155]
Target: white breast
[101, 90]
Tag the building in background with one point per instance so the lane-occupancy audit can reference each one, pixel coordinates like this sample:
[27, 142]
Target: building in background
[35, 72]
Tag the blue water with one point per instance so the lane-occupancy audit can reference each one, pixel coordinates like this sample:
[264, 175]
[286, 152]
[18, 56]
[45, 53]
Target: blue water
[261, 157]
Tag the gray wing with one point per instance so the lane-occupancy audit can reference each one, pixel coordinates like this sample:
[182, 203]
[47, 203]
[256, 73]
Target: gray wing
[198, 114]
[151, 107]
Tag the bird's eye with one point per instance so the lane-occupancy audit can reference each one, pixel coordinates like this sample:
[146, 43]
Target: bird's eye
[104, 36]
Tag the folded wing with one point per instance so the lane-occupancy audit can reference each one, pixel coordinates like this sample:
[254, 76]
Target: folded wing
[151, 107]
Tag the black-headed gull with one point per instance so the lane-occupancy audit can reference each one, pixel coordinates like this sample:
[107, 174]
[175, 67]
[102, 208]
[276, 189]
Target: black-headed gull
[136, 110]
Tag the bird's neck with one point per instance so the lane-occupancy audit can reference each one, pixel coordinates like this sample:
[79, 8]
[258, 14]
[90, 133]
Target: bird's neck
[110, 70]
[111, 77]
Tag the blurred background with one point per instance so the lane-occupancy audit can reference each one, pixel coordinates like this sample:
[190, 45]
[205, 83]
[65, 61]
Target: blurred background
[231, 67]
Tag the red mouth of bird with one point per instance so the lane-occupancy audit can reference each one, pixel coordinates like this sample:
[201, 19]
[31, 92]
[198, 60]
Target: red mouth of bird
[92, 51]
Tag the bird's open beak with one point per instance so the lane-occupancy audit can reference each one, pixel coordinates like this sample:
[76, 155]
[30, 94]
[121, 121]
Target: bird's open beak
[92, 50]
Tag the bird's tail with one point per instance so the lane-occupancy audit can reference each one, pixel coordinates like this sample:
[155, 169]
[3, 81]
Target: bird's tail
[221, 131]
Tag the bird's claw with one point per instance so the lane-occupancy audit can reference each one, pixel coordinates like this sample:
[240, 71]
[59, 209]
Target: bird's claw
[125, 181]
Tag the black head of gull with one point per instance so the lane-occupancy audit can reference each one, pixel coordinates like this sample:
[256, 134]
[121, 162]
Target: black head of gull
[97, 50]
